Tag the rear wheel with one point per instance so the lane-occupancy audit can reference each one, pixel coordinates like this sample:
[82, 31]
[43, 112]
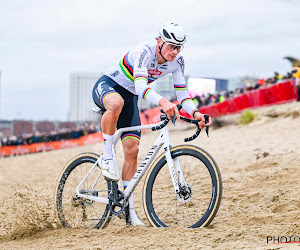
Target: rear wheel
[74, 211]
[196, 203]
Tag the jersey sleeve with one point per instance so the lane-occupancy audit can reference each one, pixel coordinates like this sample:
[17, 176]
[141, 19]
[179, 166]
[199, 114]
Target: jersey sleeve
[142, 57]
[182, 94]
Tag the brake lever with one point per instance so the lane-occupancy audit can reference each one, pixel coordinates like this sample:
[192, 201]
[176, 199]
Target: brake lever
[173, 119]
[206, 117]
[174, 116]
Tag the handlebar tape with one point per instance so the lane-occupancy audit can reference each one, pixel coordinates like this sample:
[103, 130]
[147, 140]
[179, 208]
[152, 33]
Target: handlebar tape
[160, 126]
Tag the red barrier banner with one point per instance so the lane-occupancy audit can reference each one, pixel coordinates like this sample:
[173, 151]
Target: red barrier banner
[279, 93]
[48, 146]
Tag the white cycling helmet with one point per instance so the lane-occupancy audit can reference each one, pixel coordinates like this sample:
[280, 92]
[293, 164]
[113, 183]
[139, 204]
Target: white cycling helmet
[172, 33]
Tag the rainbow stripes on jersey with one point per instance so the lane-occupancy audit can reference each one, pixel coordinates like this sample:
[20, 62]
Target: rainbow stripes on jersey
[184, 100]
[130, 136]
[146, 91]
[140, 77]
[104, 141]
[180, 87]
[126, 67]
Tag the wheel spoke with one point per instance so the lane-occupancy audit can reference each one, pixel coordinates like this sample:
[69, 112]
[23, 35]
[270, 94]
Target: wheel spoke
[161, 201]
[169, 208]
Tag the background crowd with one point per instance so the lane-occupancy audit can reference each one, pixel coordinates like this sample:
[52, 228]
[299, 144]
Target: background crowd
[54, 135]
[218, 97]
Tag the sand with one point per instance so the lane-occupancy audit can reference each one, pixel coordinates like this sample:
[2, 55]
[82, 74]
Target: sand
[259, 163]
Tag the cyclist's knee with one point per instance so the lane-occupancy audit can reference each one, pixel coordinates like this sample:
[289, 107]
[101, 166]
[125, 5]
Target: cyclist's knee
[114, 103]
[131, 148]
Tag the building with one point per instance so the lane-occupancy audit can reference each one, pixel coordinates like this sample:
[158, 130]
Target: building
[6, 128]
[81, 101]
[23, 128]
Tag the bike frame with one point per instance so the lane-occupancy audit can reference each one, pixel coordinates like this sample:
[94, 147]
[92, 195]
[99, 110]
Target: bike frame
[163, 139]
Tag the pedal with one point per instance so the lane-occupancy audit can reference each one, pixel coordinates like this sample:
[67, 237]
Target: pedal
[98, 110]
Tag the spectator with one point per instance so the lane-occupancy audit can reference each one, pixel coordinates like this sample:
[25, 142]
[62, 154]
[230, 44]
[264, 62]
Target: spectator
[248, 85]
[55, 135]
[276, 78]
[296, 75]
[197, 100]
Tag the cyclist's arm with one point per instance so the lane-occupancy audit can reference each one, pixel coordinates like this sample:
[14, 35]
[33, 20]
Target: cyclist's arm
[142, 57]
[182, 95]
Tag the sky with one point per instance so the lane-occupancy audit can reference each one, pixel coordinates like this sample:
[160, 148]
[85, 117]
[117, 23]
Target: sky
[43, 42]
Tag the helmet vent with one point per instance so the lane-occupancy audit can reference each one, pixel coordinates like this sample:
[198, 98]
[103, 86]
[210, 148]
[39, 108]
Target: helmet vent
[166, 34]
[178, 40]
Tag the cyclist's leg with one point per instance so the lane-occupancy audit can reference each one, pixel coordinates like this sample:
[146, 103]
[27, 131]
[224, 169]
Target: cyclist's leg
[131, 149]
[130, 142]
[106, 97]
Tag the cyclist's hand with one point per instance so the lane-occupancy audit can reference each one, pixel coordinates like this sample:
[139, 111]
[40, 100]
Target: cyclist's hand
[169, 108]
[199, 116]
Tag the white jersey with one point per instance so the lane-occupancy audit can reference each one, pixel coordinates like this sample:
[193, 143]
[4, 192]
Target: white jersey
[139, 67]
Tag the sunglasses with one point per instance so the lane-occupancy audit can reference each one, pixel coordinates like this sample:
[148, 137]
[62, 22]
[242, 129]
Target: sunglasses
[172, 47]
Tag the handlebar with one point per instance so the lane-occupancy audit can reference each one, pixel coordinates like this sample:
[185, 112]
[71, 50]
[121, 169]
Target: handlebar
[165, 120]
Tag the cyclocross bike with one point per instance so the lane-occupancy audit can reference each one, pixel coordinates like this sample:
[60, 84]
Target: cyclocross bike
[183, 186]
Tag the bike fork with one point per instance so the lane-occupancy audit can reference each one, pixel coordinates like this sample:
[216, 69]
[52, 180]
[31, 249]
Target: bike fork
[175, 171]
[174, 178]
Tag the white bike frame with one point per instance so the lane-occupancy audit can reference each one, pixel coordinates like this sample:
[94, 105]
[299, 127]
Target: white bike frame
[162, 140]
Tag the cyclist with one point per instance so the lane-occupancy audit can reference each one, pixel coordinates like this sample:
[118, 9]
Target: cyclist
[118, 89]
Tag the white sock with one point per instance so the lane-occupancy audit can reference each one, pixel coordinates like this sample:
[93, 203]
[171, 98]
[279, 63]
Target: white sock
[108, 141]
[130, 201]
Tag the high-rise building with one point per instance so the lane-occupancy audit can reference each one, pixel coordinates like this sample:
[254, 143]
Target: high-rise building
[81, 101]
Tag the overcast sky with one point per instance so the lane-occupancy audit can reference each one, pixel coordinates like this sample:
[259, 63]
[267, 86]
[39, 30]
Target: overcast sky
[43, 42]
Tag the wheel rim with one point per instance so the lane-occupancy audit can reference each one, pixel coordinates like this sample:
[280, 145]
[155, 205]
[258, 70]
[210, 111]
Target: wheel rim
[78, 212]
[171, 209]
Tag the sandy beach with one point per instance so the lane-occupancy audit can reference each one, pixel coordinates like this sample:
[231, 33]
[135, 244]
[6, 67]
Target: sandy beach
[259, 164]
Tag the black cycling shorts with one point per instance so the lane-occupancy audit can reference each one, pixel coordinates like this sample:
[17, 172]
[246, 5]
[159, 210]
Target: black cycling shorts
[130, 113]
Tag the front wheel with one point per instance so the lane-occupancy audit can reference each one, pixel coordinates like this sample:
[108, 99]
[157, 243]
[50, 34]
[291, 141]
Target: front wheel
[198, 200]
[74, 211]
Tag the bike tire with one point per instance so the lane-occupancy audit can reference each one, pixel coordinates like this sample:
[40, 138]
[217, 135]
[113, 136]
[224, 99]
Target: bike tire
[164, 208]
[77, 212]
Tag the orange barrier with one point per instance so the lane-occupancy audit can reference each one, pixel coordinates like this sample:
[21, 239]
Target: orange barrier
[48, 146]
